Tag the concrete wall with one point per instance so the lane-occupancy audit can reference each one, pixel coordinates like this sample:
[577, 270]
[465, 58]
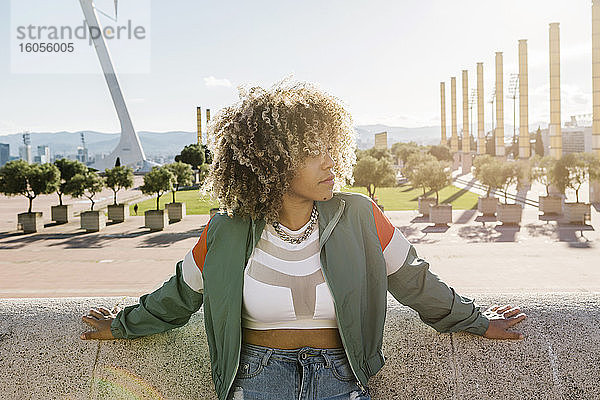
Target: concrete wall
[42, 357]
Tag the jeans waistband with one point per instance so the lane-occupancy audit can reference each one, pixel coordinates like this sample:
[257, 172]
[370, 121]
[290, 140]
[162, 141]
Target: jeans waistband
[292, 354]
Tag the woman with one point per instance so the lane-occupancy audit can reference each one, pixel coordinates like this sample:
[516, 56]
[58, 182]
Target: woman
[294, 276]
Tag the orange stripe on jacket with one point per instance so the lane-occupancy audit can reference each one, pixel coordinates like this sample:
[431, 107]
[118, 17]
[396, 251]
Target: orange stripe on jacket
[385, 229]
[199, 250]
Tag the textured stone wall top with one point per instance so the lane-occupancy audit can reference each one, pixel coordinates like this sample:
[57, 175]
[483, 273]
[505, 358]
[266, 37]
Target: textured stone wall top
[42, 357]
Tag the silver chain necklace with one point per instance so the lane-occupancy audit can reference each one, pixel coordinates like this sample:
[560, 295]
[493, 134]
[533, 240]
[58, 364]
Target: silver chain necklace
[314, 215]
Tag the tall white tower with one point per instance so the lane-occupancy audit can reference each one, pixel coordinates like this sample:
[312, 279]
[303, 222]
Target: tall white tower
[129, 149]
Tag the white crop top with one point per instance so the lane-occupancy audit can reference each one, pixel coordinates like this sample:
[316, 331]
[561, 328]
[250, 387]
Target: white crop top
[284, 287]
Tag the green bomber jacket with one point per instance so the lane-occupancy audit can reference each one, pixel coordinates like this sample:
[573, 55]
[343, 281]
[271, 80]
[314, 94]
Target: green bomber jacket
[358, 248]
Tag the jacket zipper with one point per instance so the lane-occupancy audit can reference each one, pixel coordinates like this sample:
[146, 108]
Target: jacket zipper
[237, 363]
[335, 220]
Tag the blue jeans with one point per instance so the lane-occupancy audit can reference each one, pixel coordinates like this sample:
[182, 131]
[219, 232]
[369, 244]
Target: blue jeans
[299, 374]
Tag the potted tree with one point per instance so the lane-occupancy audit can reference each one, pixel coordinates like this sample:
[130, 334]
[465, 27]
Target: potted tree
[417, 176]
[30, 180]
[541, 171]
[62, 213]
[510, 173]
[486, 172]
[118, 178]
[437, 178]
[182, 176]
[158, 181]
[88, 185]
[577, 172]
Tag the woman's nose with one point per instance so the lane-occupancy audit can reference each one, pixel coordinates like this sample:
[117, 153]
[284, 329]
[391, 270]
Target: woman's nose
[327, 161]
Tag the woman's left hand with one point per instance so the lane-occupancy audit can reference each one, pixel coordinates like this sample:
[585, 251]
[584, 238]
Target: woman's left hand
[501, 318]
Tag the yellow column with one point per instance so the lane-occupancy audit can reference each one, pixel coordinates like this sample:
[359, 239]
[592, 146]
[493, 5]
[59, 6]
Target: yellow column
[554, 128]
[524, 148]
[466, 141]
[199, 123]
[480, 111]
[454, 137]
[443, 113]
[499, 132]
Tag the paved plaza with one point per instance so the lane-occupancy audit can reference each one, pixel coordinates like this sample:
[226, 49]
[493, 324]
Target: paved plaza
[471, 255]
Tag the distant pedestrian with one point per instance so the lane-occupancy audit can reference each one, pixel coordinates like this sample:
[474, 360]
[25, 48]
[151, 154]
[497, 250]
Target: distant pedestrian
[135, 208]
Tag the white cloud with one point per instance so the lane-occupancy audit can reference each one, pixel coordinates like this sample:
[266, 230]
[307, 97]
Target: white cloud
[212, 81]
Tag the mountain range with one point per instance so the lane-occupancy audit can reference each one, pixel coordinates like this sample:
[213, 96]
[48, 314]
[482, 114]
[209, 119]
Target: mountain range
[157, 144]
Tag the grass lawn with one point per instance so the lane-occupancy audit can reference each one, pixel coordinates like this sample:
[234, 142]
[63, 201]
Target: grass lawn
[194, 204]
[404, 197]
[393, 199]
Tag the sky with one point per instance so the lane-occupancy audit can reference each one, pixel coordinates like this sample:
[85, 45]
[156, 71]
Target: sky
[383, 59]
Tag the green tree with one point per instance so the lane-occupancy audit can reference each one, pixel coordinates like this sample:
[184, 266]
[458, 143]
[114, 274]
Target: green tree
[539, 144]
[442, 153]
[488, 172]
[119, 178]
[192, 154]
[371, 174]
[403, 150]
[593, 163]
[88, 185]
[482, 159]
[541, 170]
[68, 169]
[30, 180]
[158, 181]
[577, 166]
[412, 169]
[436, 176]
[509, 173]
[377, 154]
[182, 175]
[559, 175]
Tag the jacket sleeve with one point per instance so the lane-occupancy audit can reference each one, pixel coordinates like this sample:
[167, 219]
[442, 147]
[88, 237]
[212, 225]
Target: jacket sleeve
[412, 284]
[171, 305]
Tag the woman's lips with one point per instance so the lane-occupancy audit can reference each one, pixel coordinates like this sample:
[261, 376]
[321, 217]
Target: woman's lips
[328, 181]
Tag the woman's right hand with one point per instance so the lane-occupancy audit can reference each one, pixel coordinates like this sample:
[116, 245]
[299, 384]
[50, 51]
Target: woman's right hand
[101, 319]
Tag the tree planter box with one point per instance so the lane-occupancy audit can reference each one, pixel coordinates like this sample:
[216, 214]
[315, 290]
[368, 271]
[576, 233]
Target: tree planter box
[424, 203]
[440, 214]
[551, 204]
[176, 211]
[118, 212]
[92, 221]
[30, 222]
[62, 214]
[509, 214]
[575, 212]
[487, 205]
[156, 220]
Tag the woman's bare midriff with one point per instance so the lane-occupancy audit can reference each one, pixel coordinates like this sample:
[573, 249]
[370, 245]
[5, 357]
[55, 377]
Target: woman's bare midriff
[327, 338]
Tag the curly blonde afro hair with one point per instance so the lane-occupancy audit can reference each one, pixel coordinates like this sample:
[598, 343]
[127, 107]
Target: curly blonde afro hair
[263, 139]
